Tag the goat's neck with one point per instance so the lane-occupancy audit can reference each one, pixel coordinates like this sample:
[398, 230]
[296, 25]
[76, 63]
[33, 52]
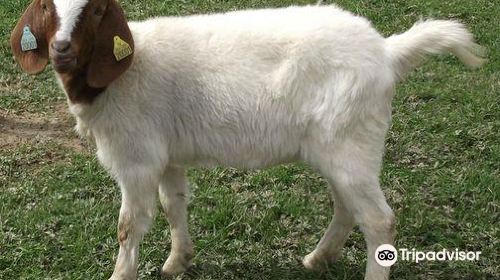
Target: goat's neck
[77, 89]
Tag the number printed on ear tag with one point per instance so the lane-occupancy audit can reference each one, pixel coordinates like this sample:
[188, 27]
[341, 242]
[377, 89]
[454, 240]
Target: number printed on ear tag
[28, 40]
[121, 49]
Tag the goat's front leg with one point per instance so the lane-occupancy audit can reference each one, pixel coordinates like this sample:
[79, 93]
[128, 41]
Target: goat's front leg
[174, 199]
[136, 214]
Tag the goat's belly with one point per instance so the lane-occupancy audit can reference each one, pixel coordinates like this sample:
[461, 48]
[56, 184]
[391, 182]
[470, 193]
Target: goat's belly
[241, 153]
[242, 163]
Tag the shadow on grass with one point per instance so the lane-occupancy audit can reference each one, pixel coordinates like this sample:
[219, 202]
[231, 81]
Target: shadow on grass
[254, 271]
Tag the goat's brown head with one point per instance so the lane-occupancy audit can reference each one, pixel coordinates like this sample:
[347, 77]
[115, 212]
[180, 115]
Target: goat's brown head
[89, 36]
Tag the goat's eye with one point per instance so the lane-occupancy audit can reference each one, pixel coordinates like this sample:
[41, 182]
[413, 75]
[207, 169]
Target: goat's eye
[98, 12]
[44, 7]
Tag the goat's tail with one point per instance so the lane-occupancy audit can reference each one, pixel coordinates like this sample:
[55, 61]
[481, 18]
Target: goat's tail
[409, 49]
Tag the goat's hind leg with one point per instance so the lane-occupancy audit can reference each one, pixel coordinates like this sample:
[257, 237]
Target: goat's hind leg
[352, 169]
[330, 246]
[174, 199]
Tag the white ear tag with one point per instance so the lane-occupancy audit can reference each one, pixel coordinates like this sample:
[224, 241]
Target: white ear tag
[28, 40]
[121, 48]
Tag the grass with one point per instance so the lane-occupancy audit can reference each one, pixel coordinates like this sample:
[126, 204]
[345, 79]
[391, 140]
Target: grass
[441, 174]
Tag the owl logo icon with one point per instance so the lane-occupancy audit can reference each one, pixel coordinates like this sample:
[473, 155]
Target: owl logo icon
[386, 255]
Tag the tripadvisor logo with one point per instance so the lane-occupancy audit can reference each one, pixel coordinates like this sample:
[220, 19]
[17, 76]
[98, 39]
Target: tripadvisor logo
[386, 255]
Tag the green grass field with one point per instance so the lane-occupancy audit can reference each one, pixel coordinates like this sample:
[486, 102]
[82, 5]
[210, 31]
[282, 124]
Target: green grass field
[441, 174]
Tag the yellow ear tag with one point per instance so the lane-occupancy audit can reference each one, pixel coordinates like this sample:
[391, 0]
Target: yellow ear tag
[121, 48]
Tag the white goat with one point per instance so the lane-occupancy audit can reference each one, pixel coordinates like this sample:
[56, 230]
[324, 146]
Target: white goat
[247, 89]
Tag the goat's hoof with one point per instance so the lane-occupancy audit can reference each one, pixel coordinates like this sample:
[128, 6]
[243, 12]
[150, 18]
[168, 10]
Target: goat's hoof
[176, 264]
[315, 262]
[119, 277]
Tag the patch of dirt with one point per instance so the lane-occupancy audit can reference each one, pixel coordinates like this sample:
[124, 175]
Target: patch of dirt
[26, 128]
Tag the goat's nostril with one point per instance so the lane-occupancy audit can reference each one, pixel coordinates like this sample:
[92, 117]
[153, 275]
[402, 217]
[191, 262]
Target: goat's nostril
[61, 46]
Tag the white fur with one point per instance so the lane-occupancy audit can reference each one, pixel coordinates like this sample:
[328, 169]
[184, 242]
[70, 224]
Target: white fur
[69, 12]
[253, 89]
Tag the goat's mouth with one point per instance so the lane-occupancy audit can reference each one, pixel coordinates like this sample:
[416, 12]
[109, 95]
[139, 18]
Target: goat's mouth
[63, 64]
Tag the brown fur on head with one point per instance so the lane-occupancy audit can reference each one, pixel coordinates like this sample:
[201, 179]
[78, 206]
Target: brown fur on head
[43, 26]
[89, 53]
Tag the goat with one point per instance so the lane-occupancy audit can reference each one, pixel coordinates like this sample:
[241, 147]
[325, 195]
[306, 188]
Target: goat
[247, 89]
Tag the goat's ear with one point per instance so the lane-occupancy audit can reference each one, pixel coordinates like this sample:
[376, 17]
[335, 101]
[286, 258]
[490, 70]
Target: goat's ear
[33, 59]
[113, 48]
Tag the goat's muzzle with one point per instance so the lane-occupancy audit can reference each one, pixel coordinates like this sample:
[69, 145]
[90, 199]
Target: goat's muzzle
[62, 57]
